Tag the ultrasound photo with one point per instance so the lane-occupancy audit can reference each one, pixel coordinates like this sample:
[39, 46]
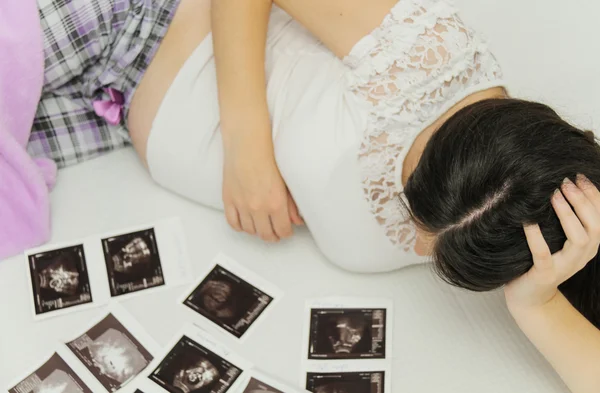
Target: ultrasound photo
[256, 386]
[111, 353]
[55, 376]
[228, 301]
[59, 279]
[347, 334]
[132, 262]
[191, 368]
[352, 382]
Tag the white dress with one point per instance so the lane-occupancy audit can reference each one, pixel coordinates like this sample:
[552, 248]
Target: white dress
[341, 128]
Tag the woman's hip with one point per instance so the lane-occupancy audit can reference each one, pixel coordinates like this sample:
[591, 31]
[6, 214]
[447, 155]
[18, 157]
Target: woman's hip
[183, 147]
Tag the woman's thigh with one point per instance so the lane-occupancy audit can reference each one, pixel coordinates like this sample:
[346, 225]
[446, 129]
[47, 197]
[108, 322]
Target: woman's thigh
[190, 26]
[184, 149]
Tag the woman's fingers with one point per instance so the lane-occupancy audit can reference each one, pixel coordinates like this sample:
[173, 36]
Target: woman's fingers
[282, 224]
[586, 212]
[580, 224]
[247, 222]
[542, 256]
[591, 221]
[576, 233]
[232, 216]
[293, 210]
[264, 228]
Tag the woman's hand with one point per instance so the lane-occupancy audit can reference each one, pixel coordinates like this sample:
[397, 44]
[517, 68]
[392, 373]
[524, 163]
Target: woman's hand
[256, 198]
[539, 285]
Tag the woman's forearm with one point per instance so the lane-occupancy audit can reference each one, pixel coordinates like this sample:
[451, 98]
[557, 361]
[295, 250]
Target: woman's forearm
[567, 340]
[239, 37]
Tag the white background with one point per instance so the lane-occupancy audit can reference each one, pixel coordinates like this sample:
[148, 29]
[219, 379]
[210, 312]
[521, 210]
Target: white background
[445, 340]
[549, 51]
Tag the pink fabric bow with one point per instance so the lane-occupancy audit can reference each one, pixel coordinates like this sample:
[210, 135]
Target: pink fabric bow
[110, 109]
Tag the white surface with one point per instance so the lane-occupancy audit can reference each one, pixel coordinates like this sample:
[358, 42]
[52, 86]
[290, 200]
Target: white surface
[445, 340]
[548, 50]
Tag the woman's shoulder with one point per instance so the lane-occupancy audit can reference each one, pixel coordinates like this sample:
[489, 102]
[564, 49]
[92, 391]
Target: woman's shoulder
[420, 45]
[421, 61]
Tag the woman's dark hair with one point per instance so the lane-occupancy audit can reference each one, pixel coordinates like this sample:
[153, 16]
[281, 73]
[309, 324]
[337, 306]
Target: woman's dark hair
[490, 169]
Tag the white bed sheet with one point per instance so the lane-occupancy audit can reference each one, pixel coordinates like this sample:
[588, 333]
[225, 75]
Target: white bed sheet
[445, 340]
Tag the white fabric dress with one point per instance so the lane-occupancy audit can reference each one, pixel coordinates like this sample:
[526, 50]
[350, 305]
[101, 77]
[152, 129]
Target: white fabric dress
[341, 128]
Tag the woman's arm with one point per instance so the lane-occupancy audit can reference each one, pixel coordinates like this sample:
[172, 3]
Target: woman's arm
[568, 341]
[255, 196]
[239, 35]
[564, 336]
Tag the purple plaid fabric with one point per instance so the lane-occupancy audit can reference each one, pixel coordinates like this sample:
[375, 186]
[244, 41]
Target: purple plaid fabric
[90, 46]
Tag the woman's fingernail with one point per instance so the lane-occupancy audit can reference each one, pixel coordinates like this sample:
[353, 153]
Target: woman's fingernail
[567, 181]
[582, 179]
[558, 196]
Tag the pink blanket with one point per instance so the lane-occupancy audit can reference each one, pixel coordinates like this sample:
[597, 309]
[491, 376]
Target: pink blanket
[25, 183]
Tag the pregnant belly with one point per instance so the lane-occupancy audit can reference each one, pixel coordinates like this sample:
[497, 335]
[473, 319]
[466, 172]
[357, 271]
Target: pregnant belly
[190, 26]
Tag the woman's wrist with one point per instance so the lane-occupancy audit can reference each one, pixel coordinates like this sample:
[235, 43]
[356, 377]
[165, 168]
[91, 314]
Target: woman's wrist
[566, 339]
[250, 128]
[526, 313]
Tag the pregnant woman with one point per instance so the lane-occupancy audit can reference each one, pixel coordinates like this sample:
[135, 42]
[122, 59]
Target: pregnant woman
[385, 125]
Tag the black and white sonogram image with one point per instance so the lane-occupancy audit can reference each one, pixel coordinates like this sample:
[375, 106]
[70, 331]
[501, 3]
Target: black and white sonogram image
[132, 262]
[228, 301]
[59, 279]
[111, 353]
[55, 376]
[191, 368]
[256, 386]
[349, 382]
[346, 333]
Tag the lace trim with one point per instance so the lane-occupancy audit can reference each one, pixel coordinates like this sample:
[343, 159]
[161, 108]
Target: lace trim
[416, 65]
[396, 34]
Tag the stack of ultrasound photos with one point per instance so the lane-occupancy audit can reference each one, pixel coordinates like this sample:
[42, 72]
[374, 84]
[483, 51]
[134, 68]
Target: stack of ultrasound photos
[347, 340]
[347, 347]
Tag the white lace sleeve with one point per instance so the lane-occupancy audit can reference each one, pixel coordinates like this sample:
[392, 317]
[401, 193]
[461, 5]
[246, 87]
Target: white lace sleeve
[408, 72]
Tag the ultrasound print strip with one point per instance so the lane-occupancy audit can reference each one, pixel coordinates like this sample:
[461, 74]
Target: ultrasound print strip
[347, 333]
[53, 376]
[192, 368]
[228, 301]
[111, 353]
[59, 279]
[133, 262]
[346, 382]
